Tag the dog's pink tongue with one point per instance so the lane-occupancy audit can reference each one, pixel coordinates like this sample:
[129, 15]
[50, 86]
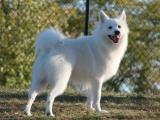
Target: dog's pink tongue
[115, 38]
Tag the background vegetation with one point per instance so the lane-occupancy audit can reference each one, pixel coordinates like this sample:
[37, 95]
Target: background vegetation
[21, 20]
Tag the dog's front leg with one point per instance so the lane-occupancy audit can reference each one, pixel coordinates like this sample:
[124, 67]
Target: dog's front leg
[89, 102]
[97, 86]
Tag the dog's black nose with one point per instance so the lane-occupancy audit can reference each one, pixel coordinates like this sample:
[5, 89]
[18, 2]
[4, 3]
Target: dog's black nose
[117, 32]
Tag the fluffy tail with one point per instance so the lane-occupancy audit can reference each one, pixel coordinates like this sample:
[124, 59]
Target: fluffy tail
[46, 40]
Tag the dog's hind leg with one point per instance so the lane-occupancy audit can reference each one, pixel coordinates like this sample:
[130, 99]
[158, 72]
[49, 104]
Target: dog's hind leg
[38, 84]
[31, 97]
[61, 79]
[33, 92]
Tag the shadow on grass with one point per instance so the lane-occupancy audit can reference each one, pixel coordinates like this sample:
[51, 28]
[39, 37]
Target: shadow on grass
[12, 105]
[79, 98]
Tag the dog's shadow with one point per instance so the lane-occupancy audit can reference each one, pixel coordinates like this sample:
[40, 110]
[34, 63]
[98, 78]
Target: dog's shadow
[74, 98]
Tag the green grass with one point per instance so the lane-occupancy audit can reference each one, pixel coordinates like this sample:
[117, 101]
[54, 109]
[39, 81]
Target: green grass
[71, 106]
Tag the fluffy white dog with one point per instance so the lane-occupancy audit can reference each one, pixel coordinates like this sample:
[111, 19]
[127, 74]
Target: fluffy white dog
[87, 62]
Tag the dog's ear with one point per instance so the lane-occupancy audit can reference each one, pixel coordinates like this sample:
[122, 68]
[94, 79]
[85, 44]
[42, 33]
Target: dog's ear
[123, 16]
[102, 16]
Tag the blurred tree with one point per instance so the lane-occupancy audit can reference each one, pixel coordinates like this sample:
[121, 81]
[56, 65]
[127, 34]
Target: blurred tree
[20, 21]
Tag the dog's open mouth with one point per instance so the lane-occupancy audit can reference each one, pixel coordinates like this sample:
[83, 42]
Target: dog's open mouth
[114, 38]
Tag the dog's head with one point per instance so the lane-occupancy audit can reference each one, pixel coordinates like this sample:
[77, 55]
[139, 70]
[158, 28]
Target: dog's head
[114, 30]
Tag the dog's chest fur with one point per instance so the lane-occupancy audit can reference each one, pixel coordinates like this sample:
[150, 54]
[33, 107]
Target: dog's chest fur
[108, 65]
[98, 63]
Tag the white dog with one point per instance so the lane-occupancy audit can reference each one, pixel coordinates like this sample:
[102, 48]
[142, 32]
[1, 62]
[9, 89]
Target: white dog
[87, 61]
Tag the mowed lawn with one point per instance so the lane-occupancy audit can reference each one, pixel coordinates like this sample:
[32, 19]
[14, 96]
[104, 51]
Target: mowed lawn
[70, 106]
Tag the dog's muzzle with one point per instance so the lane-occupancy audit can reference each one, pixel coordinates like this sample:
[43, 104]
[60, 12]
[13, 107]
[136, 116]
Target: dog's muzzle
[115, 38]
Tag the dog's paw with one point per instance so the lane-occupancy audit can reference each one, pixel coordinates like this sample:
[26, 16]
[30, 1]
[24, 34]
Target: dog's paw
[50, 114]
[91, 108]
[27, 113]
[104, 111]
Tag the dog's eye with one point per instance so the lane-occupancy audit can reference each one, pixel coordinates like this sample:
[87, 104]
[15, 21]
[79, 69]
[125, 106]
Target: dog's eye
[119, 26]
[110, 27]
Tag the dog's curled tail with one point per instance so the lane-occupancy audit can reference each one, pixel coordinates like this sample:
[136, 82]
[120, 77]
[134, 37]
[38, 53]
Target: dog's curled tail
[46, 40]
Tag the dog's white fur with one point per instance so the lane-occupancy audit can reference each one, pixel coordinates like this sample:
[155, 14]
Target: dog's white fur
[86, 61]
